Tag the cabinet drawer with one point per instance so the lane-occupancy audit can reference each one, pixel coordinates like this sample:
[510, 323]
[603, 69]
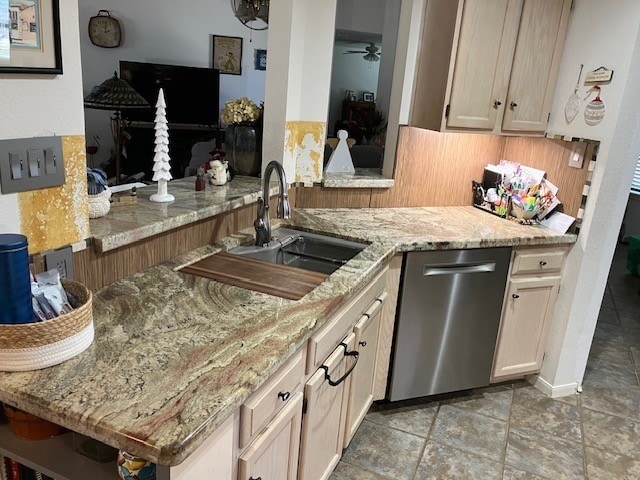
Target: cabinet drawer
[270, 398]
[538, 261]
[324, 341]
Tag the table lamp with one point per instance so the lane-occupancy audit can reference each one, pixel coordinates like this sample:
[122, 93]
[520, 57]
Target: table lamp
[117, 95]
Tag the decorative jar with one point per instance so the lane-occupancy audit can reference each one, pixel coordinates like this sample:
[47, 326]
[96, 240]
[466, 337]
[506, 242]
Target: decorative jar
[131, 467]
[243, 144]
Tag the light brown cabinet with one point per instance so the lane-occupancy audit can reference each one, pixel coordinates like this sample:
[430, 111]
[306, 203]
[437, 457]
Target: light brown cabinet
[489, 65]
[529, 303]
[274, 454]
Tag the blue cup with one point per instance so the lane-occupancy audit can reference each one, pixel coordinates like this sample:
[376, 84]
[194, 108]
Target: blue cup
[15, 289]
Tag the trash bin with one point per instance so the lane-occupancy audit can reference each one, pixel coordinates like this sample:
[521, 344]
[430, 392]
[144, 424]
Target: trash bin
[633, 256]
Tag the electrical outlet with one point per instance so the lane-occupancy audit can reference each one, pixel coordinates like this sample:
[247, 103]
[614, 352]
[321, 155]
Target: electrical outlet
[61, 259]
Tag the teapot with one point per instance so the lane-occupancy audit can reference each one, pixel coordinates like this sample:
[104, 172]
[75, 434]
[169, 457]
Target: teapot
[218, 172]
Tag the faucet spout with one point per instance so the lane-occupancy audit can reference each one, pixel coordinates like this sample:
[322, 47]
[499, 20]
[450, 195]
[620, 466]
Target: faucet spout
[262, 224]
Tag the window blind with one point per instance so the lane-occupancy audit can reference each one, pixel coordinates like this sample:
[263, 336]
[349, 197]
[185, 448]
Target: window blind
[635, 183]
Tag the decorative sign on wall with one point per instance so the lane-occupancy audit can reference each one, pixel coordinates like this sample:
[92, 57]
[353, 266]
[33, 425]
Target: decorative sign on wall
[260, 59]
[599, 75]
[227, 54]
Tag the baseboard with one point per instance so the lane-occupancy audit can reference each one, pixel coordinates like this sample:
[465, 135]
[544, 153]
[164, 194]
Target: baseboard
[554, 391]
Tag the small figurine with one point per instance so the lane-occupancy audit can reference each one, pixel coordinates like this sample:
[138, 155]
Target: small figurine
[218, 172]
[200, 182]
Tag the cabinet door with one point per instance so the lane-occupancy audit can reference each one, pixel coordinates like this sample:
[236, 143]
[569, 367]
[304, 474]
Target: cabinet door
[360, 395]
[535, 64]
[324, 419]
[486, 40]
[274, 454]
[526, 318]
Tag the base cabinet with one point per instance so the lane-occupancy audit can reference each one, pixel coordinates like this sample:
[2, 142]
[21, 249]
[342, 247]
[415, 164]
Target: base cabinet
[324, 419]
[527, 312]
[274, 454]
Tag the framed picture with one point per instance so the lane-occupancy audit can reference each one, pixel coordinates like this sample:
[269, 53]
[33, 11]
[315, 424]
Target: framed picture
[227, 54]
[30, 37]
[367, 96]
[261, 59]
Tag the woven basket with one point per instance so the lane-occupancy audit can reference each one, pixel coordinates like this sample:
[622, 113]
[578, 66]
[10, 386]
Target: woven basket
[31, 346]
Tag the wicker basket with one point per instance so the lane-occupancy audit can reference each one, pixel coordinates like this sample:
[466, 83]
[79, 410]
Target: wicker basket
[32, 346]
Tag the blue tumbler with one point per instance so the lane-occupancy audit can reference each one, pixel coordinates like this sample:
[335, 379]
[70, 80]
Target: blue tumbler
[15, 288]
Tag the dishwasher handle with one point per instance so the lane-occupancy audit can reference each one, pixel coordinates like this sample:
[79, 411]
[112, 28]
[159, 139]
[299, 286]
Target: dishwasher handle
[432, 270]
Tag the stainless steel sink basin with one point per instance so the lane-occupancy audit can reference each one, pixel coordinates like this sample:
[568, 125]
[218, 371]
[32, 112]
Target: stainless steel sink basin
[308, 251]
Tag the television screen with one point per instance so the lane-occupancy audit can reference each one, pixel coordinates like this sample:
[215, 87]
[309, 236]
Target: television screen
[191, 93]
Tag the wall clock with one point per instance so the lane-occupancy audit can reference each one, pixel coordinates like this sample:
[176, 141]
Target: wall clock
[104, 30]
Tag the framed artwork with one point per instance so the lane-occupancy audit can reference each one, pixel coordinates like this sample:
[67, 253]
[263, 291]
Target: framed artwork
[367, 96]
[261, 59]
[227, 54]
[30, 37]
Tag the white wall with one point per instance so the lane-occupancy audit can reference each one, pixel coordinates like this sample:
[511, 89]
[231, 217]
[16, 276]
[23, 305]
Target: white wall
[37, 105]
[599, 34]
[349, 72]
[163, 31]
[360, 15]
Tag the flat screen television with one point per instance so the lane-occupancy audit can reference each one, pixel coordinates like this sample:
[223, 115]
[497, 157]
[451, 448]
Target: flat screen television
[191, 93]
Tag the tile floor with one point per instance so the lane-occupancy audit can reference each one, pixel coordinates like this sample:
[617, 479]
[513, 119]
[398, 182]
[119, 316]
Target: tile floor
[515, 432]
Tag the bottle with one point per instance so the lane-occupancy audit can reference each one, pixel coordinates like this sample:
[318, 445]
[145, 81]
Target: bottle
[15, 293]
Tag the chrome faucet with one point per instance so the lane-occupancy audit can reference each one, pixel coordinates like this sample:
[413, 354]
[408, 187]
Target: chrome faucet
[283, 210]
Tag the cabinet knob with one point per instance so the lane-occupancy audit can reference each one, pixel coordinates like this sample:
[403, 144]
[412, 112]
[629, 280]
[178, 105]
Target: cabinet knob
[284, 396]
[513, 105]
[257, 478]
[496, 103]
[542, 263]
[363, 343]
[515, 295]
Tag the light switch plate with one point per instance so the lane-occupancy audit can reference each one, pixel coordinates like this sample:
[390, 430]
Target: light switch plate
[62, 260]
[41, 164]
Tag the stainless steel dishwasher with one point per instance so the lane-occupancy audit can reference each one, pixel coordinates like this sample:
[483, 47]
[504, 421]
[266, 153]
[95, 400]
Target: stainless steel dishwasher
[448, 319]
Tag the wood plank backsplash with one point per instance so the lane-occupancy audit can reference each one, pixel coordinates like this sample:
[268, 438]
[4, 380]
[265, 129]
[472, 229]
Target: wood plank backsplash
[436, 169]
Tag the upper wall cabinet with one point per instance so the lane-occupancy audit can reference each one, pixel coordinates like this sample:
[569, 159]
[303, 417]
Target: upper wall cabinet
[489, 65]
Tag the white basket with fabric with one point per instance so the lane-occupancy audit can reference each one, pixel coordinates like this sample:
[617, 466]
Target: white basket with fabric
[99, 204]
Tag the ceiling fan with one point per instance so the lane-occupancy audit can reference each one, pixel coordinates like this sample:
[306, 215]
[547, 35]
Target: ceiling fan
[372, 52]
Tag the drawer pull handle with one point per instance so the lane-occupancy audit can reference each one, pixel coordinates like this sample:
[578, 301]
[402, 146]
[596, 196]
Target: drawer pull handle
[335, 383]
[515, 295]
[284, 396]
[257, 478]
[363, 343]
[542, 263]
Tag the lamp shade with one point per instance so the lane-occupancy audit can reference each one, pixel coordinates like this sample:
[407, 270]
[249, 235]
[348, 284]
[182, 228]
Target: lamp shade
[115, 94]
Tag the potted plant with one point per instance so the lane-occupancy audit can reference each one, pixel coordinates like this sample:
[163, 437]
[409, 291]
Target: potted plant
[243, 136]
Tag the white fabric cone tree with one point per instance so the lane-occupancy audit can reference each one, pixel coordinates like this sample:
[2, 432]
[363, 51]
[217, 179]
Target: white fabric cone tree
[161, 167]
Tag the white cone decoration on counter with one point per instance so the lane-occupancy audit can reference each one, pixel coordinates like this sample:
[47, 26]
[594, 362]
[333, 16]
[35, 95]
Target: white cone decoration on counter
[340, 160]
[161, 167]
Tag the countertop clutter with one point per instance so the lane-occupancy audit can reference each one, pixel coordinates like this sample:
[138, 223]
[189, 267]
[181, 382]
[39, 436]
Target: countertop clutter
[175, 354]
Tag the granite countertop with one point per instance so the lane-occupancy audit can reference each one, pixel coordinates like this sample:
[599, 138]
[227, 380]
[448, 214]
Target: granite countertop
[362, 178]
[130, 223]
[175, 354]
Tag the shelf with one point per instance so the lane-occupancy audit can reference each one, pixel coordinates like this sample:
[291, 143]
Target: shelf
[54, 457]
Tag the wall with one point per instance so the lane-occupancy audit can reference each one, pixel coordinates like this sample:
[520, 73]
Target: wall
[349, 72]
[360, 15]
[36, 105]
[617, 47]
[156, 31]
[632, 216]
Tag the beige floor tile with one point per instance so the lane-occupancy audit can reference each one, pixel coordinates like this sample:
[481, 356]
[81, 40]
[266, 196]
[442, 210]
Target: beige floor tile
[511, 473]
[441, 462]
[614, 434]
[603, 465]
[624, 402]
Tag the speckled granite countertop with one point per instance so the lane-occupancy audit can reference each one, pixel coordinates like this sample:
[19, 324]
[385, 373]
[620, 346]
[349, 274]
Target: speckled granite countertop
[175, 355]
[130, 223]
[362, 178]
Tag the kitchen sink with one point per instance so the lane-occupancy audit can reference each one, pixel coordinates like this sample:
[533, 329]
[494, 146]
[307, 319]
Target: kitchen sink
[308, 251]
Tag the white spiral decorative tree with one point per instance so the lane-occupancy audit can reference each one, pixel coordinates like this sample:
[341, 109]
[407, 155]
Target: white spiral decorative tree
[161, 167]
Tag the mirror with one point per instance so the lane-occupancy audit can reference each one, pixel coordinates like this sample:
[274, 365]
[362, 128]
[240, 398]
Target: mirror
[362, 70]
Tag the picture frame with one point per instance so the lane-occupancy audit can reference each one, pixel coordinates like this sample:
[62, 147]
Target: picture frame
[30, 38]
[227, 54]
[260, 59]
[367, 96]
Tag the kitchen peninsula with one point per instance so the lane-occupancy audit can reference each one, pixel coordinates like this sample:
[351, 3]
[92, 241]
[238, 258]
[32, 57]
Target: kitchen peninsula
[176, 355]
